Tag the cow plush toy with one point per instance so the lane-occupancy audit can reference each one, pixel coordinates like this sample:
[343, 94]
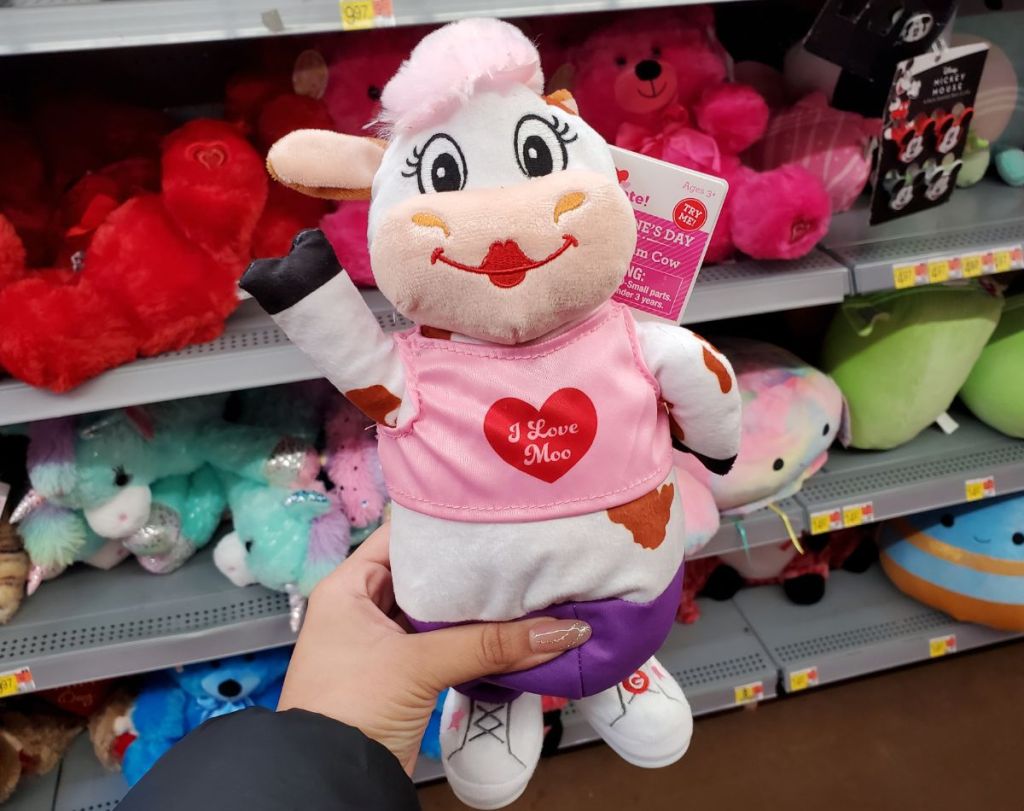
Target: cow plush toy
[524, 424]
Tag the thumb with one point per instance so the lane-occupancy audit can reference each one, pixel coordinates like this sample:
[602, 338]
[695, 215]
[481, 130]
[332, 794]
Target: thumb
[462, 653]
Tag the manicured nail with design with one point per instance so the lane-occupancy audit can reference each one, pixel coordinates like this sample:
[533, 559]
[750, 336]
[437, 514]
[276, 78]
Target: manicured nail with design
[552, 636]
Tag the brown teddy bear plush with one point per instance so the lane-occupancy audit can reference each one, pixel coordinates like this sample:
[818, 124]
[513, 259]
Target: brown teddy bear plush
[14, 563]
[33, 742]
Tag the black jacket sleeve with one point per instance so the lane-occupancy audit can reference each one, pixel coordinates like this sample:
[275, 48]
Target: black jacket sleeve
[258, 760]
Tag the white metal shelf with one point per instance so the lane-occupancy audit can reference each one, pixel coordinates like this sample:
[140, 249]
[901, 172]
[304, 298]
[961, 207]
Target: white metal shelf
[41, 26]
[862, 625]
[987, 216]
[254, 352]
[91, 624]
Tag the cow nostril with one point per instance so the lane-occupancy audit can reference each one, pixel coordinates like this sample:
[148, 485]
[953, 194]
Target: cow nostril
[569, 202]
[229, 688]
[647, 70]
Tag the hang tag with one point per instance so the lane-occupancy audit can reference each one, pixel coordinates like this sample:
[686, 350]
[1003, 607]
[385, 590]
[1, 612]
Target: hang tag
[946, 423]
[927, 117]
[869, 37]
[676, 212]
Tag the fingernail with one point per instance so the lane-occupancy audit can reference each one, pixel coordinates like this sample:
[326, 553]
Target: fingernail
[551, 636]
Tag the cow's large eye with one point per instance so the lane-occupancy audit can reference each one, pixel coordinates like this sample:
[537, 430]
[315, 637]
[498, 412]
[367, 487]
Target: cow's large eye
[540, 145]
[438, 166]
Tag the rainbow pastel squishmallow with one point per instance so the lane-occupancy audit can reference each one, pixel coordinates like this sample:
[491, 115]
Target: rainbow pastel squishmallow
[701, 519]
[994, 390]
[791, 415]
[900, 356]
[966, 560]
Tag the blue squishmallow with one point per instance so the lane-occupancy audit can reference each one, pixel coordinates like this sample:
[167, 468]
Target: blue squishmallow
[967, 560]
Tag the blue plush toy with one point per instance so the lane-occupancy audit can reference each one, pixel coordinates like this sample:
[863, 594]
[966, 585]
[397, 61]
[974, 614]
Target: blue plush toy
[967, 560]
[176, 701]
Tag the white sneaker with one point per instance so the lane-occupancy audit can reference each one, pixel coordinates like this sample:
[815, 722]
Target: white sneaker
[490, 750]
[646, 718]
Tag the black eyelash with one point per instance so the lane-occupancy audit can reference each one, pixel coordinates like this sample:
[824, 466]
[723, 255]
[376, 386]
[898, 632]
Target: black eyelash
[414, 162]
[562, 130]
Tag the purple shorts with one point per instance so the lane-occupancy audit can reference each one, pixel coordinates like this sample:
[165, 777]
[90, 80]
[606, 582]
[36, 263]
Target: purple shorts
[625, 636]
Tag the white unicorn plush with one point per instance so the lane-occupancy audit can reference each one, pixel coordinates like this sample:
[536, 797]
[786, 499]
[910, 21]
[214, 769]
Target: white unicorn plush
[524, 424]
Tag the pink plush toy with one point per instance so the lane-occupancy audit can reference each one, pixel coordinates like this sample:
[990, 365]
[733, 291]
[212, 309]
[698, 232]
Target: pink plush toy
[353, 465]
[656, 84]
[829, 143]
[359, 68]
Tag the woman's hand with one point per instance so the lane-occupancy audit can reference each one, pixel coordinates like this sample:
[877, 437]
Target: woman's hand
[356, 664]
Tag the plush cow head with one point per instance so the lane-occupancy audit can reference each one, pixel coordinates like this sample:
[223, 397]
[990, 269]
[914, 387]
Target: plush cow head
[495, 211]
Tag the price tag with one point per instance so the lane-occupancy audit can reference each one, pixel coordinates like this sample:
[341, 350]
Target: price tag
[356, 14]
[938, 271]
[802, 679]
[977, 489]
[748, 693]
[903, 276]
[1003, 261]
[941, 646]
[16, 681]
[856, 514]
[956, 268]
[1017, 257]
[972, 266]
[826, 521]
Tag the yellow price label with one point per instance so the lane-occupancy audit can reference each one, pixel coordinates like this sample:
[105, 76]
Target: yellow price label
[903, 276]
[974, 490]
[1004, 261]
[853, 516]
[938, 271]
[941, 645]
[820, 523]
[972, 266]
[745, 693]
[802, 679]
[16, 681]
[356, 14]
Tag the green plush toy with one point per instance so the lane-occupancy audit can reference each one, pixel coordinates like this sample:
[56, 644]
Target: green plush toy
[995, 389]
[901, 356]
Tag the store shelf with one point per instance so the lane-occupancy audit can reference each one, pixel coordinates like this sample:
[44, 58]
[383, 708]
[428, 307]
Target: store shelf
[985, 217]
[928, 472]
[253, 351]
[749, 287]
[41, 26]
[35, 793]
[761, 528]
[90, 624]
[862, 625]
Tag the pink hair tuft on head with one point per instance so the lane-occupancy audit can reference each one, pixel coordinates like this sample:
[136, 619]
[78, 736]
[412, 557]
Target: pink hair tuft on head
[452, 63]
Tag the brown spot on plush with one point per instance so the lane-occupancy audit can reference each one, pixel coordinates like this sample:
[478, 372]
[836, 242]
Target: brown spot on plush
[435, 332]
[376, 402]
[646, 517]
[718, 369]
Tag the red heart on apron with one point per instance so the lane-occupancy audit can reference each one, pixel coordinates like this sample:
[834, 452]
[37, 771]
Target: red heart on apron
[544, 443]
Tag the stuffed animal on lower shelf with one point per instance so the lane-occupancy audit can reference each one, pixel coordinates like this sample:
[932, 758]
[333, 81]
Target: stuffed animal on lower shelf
[900, 356]
[173, 703]
[966, 560]
[14, 562]
[353, 465]
[32, 741]
[524, 426]
[994, 390]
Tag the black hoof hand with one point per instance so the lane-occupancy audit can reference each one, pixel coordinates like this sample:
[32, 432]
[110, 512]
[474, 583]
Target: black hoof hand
[717, 466]
[278, 284]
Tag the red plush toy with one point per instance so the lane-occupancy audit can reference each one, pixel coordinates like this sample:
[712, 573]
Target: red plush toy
[160, 272]
[359, 68]
[655, 83]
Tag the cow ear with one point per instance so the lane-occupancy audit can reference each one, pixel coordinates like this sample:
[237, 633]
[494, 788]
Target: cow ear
[564, 101]
[330, 165]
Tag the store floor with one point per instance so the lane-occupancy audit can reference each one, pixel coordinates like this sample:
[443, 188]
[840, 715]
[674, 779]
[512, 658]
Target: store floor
[942, 735]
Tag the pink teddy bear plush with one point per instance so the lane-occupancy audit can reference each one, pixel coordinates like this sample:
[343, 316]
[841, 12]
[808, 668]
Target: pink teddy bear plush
[657, 85]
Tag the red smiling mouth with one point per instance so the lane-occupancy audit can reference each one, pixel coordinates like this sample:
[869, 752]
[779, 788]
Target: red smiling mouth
[505, 264]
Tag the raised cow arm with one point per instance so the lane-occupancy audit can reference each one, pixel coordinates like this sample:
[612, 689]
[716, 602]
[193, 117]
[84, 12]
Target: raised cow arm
[699, 388]
[319, 308]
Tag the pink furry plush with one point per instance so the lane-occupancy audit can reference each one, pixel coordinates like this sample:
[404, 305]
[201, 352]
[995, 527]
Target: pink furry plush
[345, 227]
[352, 464]
[780, 214]
[733, 114]
[452, 63]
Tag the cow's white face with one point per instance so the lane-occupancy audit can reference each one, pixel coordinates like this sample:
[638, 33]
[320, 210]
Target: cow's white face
[502, 223]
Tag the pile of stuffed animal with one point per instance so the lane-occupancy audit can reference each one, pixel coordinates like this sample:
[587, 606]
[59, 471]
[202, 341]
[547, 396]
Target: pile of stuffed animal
[155, 482]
